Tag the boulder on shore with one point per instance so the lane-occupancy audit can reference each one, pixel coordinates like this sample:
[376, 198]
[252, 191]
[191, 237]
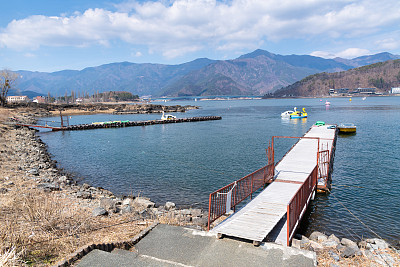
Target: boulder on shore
[99, 211]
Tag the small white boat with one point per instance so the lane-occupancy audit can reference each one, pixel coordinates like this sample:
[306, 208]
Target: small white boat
[364, 98]
[347, 128]
[167, 117]
[287, 113]
[327, 103]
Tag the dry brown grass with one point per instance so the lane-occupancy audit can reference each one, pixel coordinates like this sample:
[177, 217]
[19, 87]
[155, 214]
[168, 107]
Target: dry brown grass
[4, 114]
[39, 228]
[325, 259]
[10, 258]
[43, 227]
[170, 219]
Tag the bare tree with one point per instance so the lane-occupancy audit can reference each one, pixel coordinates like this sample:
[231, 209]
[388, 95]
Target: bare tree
[8, 80]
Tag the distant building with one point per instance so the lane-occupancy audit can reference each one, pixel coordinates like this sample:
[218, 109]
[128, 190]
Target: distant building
[339, 91]
[368, 91]
[395, 90]
[17, 99]
[39, 99]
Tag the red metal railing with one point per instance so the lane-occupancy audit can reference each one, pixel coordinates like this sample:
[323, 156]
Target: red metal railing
[237, 191]
[298, 204]
[323, 168]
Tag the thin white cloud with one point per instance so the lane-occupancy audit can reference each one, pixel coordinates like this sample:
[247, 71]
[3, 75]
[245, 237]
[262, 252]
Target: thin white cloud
[137, 54]
[323, 54]
[174, 28]
[353, 52]
[347, 53]
[388, 44]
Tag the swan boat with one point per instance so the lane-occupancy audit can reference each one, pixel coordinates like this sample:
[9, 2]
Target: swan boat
[298, 114]
[167, 117]
[294, 114]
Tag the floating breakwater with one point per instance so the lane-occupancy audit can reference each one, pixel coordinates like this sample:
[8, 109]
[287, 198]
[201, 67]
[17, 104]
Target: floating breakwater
[119, 124]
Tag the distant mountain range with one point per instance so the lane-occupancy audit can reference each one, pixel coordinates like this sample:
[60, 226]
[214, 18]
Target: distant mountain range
[382, 76]
[256, 73]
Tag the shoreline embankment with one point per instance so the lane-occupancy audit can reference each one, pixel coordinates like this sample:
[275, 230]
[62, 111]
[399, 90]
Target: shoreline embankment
[46, 214]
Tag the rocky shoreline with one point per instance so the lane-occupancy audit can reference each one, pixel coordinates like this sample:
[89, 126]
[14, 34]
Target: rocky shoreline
[33, 159]
[337, 252]
[42, 204]
[80, 109]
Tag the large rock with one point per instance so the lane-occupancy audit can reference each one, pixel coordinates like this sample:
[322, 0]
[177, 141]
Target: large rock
[330, 244]
[378, 243]
[48, 187]
[332, 237]
[340, 247]
[316, 246]
[127, 209]
[351, 252]
[169, 205]
[84, 195]
[195, 212]
[146, 214]
[127, 202]
[99, 211]
[33, 171]
[368, 254]
[318, 237]
[86, 186]
[348, 243]
[142, 203]
[200, 221]
[107, 203]
[185, 212]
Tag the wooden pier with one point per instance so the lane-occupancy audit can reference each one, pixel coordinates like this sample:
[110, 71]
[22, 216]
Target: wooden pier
[275, 213]
[119, 124]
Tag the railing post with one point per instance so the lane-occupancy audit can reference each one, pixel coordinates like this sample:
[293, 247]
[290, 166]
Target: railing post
[273, 152]
[288, 224]
[318, 154]
[265, 176]
[251, 187]
[209, 213]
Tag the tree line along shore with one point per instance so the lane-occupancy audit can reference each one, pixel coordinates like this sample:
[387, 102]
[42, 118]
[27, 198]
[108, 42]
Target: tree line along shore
[46, 214]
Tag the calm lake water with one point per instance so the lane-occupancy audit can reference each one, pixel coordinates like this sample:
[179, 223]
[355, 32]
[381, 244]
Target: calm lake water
[185, 162]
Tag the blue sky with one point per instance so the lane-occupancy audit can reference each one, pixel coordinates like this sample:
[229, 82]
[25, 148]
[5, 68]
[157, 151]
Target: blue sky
[52, 35]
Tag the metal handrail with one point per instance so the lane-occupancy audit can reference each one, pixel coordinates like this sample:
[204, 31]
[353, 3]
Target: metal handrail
[298, 204]
[238, 191]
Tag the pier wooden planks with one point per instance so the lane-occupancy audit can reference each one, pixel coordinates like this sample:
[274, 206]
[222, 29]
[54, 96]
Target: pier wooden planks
[263, 216]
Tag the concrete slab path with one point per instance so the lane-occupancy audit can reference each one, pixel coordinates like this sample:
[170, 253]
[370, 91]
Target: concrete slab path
[167, 245]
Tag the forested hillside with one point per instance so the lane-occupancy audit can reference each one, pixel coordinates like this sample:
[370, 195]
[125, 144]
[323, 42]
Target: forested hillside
[383, 76]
